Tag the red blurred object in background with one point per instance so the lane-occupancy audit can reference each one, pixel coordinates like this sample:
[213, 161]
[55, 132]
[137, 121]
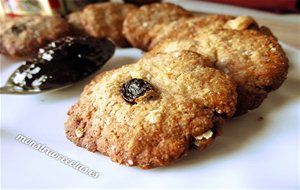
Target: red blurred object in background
[42, 7]
[277, 6]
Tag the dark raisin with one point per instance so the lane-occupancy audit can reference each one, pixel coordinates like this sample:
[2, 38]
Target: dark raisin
[63, 62]
[17, 29]
[253, 26]
[133, 89]
[268, 88]
[141, 2]
[265, 88]
[222, 115]
[260, 118]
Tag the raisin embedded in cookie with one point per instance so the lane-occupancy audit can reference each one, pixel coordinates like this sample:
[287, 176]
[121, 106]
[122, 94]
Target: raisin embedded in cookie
[150, 113]
[22, 36]
[142, 2]
[138, 22]
[106, 20]
[236, 45]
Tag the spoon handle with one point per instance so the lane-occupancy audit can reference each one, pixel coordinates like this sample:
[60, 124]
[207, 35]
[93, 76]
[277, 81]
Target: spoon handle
[12, 90]
[8, 90]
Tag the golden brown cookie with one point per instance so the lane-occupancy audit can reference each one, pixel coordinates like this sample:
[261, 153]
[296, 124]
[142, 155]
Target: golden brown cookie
[138, 22]
[106, 20]
[149, 113]
[193, 26]
[185, 27]
[22, 36]
[255, 61]
[189, 26]
[75, 21]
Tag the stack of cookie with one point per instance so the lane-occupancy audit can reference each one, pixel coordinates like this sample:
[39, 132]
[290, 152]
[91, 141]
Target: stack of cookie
[237, 46]
[198, 72]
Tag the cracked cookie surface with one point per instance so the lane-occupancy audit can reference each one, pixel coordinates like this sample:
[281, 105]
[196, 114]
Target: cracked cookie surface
[255, 61]
[186, 103]
[238, 46]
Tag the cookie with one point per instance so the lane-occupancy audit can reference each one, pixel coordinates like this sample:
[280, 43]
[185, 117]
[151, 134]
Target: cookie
[185, 27]
[77, 27]
[138, 22]
[150, 113]
[254, 60]
[23, 36]
[189, 26]
[210, 23]
[106, 20]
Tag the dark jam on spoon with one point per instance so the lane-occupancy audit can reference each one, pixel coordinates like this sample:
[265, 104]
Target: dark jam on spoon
[62, 63]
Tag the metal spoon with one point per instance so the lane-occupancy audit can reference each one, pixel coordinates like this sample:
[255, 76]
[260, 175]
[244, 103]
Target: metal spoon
[12, 90]
[59, 65]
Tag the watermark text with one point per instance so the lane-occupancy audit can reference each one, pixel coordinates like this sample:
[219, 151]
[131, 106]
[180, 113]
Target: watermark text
[55, 155]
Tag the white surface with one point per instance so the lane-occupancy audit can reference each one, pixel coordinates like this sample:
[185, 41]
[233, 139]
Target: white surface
[252, 153]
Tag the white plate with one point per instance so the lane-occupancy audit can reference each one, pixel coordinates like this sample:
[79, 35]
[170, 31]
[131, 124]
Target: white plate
[252, 153]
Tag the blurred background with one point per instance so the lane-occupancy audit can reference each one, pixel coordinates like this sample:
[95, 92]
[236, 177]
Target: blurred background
[282, 16]
[275, 6]
[66, 6]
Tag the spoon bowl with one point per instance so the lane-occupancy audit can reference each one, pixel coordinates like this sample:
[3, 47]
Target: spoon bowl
[59, 65]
